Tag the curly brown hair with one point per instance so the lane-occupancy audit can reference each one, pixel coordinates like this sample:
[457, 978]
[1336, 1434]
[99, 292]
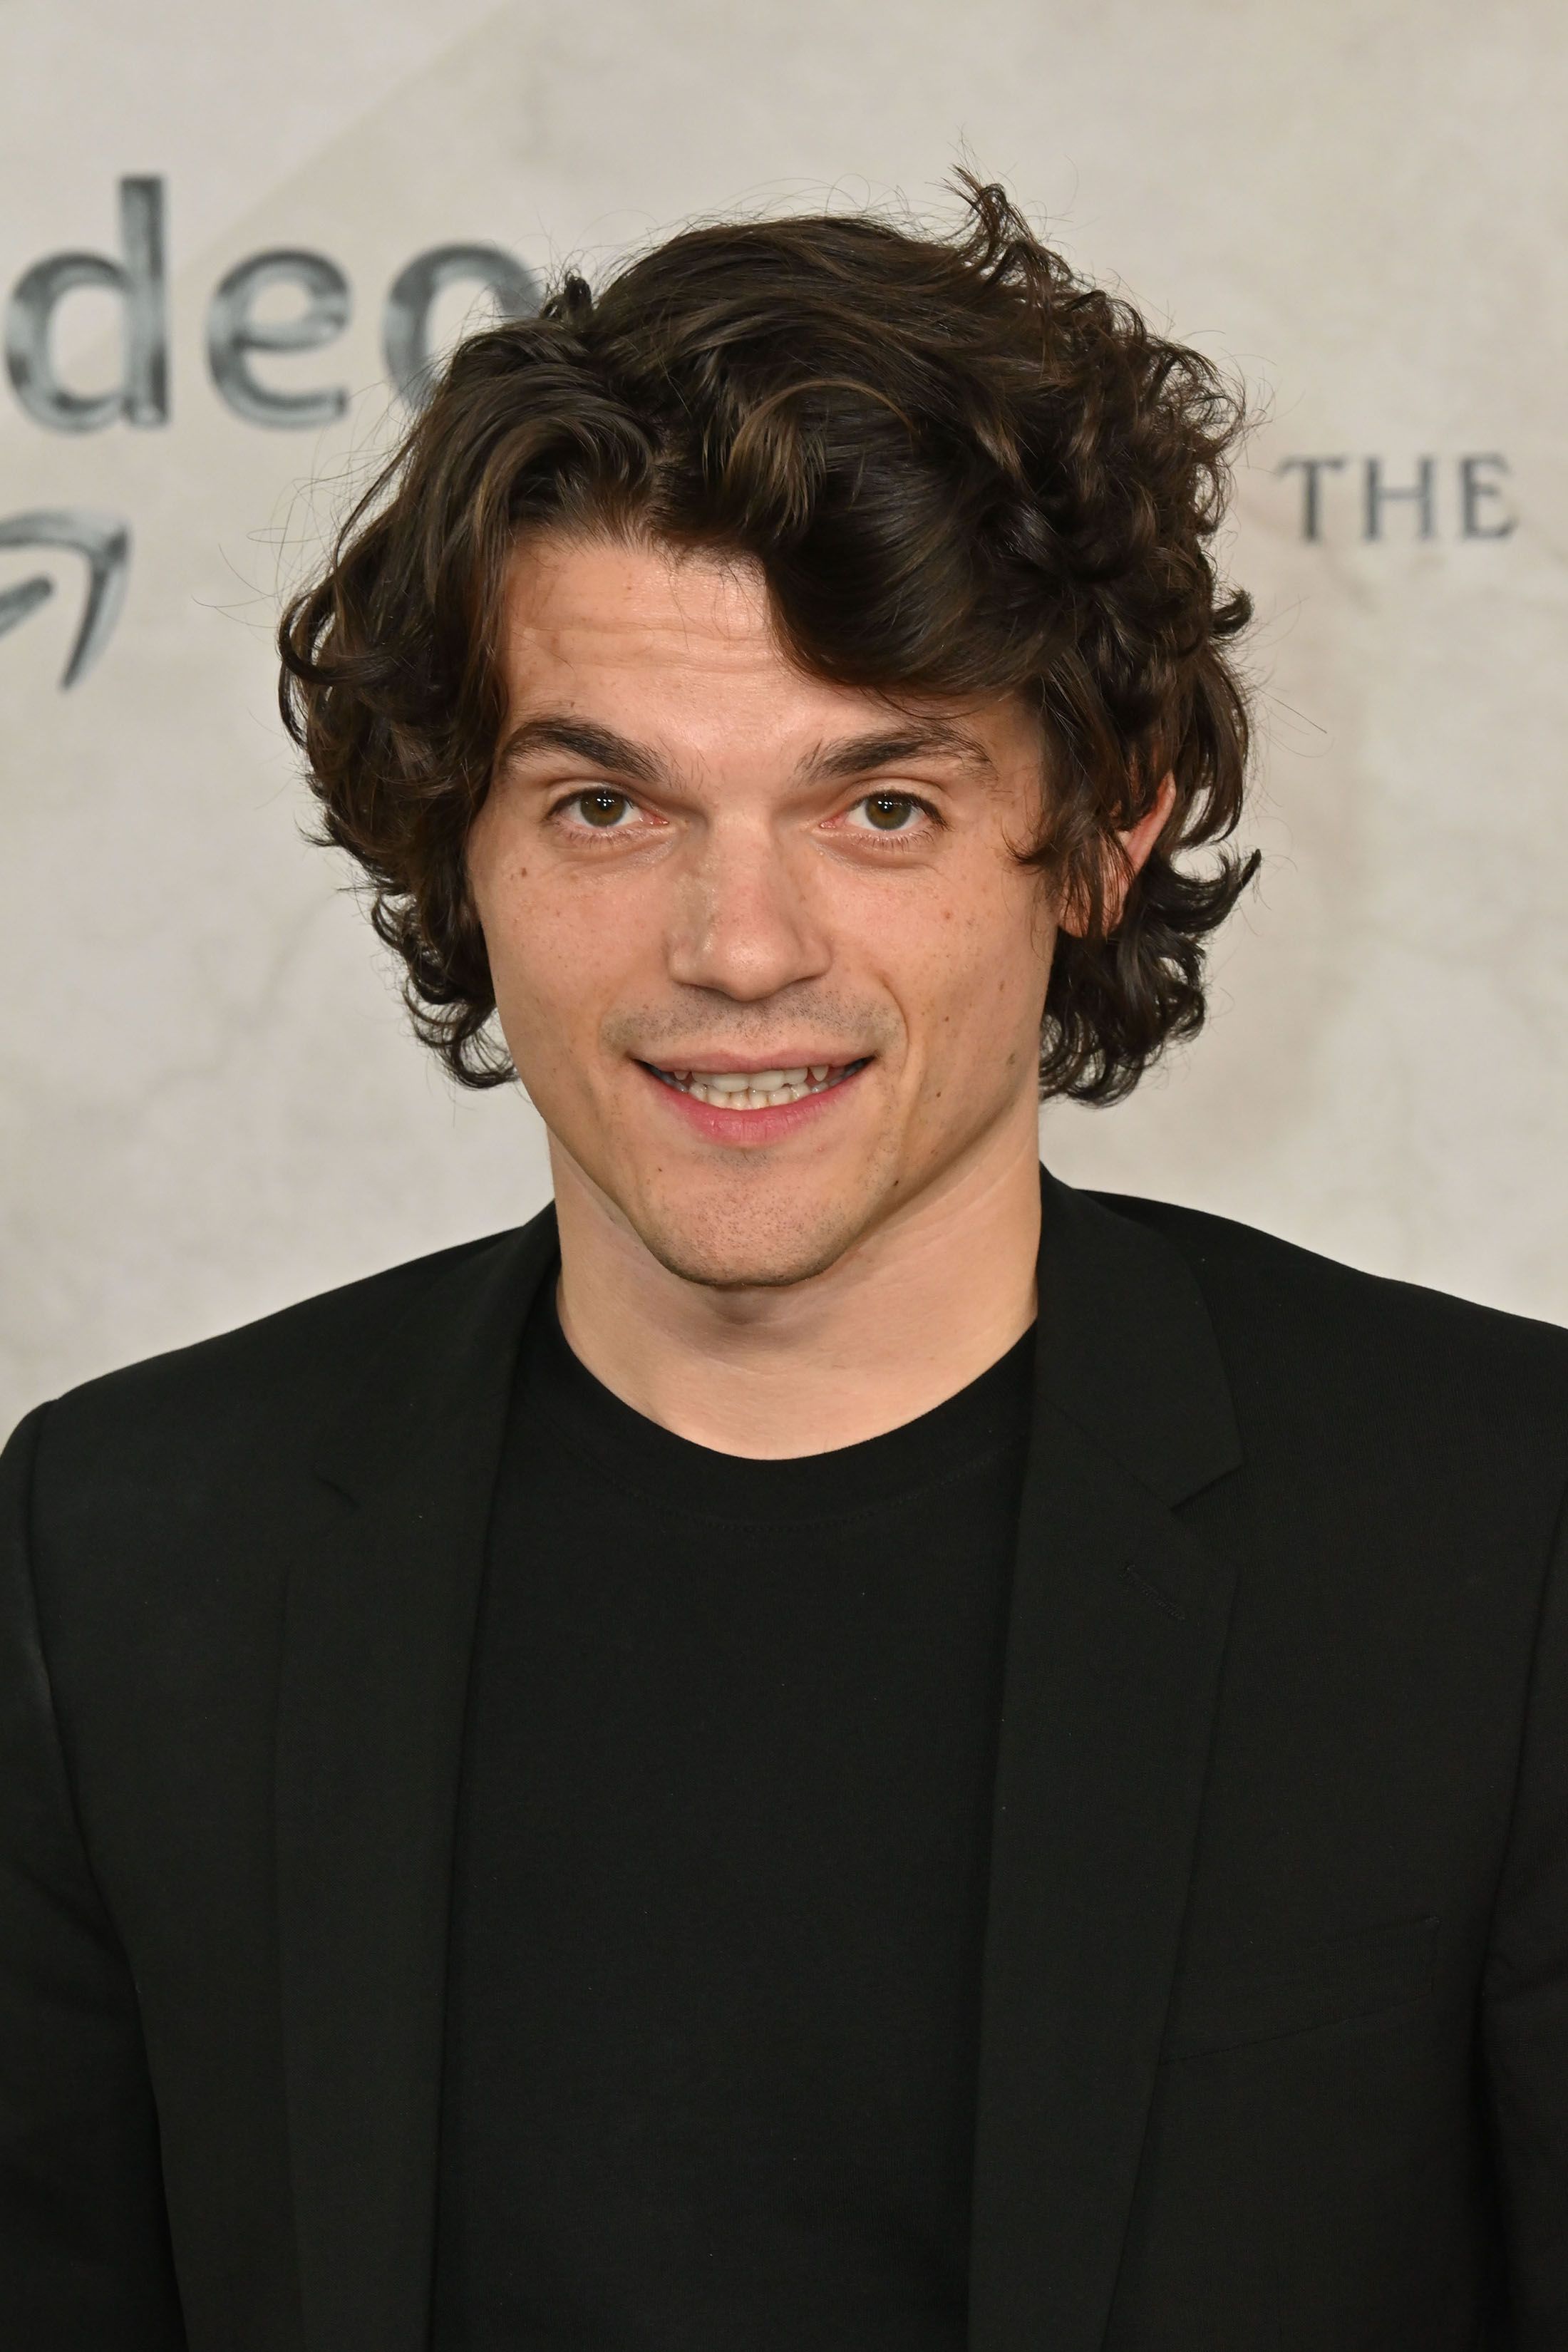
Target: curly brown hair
[961, 468]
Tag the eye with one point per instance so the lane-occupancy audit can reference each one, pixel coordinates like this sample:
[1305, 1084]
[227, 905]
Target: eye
[601, 808]
[888, 812]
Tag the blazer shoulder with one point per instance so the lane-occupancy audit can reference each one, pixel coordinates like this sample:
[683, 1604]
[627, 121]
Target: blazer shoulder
[269, 1379]
[1294, 1323]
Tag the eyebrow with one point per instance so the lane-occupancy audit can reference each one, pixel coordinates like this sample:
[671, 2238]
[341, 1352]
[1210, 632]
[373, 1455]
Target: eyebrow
[858, 755]
[861, 755]
[601, 747]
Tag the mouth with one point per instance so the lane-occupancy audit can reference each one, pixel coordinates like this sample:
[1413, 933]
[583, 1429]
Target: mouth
[774, 1089]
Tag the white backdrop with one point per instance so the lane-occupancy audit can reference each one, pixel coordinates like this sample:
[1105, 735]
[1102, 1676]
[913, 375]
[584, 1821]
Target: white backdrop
[208, 1104]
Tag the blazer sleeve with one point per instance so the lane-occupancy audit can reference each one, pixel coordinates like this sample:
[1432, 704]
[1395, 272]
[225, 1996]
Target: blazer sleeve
[1525, 1994]
[85, 2257]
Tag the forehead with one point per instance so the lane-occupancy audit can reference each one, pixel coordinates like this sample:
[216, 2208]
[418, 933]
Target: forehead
[606, 603]
[675, 651]
[664, 643]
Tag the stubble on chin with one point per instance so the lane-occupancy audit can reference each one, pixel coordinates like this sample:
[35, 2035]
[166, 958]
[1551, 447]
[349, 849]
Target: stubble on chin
[756, 1245]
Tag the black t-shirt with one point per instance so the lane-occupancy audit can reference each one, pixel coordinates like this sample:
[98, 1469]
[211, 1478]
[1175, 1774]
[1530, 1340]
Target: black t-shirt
[712, 2018]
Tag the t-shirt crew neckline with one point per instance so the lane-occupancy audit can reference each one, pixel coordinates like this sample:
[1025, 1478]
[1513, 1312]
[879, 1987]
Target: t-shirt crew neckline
[989, 1415]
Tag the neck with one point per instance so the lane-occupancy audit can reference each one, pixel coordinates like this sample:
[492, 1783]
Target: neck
[914, 1312]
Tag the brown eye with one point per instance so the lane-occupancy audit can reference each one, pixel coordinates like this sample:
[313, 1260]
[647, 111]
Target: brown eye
[889, 811]
[603, 807]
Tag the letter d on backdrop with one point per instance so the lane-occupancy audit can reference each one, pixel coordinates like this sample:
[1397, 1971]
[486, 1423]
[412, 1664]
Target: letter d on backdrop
[142, 396]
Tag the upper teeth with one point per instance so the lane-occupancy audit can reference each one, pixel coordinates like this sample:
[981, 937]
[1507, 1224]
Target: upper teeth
[754, 1089]
[761, 1082]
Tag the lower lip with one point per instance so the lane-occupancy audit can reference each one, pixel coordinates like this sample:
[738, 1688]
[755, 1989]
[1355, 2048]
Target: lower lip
[772, 1124]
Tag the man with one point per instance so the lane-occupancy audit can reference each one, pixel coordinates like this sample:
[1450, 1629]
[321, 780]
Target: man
[831, 1745]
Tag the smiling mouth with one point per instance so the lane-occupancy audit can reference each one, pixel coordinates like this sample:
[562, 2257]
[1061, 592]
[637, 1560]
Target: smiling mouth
[757, 1089]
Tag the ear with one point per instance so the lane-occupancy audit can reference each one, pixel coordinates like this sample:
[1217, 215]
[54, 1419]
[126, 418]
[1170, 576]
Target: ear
[1139, 839]
[1136, 843]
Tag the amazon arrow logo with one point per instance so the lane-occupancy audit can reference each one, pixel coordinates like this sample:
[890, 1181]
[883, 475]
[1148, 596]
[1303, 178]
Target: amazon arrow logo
[103, 542]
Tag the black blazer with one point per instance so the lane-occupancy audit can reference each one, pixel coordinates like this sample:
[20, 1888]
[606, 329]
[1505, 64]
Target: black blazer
[1275, 2040]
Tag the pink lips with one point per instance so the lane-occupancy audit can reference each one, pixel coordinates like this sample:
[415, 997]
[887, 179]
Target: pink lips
[771, 1125]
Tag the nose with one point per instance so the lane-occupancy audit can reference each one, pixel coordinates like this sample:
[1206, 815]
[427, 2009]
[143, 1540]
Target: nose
[741, 920]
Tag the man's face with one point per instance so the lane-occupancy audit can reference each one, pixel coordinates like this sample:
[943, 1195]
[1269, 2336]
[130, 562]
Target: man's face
[763, 956]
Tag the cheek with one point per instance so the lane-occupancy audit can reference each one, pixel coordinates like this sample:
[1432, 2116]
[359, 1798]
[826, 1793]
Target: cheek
[983, 969]
[527, 957]
[549, 982]
[561, 958]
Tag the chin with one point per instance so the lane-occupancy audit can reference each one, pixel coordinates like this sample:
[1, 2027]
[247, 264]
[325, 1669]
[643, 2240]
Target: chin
[749, 1245]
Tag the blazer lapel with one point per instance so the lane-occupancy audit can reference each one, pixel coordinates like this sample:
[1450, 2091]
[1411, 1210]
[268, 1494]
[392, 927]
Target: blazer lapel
[1114, 1649]
[381, 1610]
